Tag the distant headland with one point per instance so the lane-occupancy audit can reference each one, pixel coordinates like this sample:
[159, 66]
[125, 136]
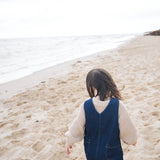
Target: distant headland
[153, 33]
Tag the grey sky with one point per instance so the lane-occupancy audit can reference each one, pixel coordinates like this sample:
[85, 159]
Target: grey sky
[32, 18]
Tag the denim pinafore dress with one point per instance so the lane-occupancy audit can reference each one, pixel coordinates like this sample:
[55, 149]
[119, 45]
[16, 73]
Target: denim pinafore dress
[101, 138]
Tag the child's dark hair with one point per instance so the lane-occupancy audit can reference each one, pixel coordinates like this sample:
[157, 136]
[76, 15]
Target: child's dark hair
[102, 81]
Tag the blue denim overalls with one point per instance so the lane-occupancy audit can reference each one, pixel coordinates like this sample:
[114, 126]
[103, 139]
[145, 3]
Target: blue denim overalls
[101, 140]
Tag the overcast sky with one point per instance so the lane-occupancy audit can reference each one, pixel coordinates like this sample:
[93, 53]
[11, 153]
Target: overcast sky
[36, 18]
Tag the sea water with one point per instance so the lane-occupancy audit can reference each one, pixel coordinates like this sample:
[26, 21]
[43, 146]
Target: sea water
[24, 56]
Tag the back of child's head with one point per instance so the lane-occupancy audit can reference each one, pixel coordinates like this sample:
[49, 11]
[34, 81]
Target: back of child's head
[102, 81]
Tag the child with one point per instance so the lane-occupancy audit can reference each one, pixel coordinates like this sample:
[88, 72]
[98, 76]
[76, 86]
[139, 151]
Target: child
[102, 120]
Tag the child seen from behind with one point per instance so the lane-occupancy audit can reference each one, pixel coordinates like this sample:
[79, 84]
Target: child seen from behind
[102, 120]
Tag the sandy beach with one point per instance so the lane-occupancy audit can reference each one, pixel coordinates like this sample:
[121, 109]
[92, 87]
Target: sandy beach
[35, 112]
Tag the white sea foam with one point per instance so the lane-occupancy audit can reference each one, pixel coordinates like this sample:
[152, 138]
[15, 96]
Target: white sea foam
[21, 57]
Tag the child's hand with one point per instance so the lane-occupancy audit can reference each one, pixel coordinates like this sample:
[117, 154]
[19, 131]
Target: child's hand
[68, 149]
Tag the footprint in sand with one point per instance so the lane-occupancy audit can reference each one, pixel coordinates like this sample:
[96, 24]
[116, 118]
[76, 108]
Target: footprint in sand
[28, 116]
[156, 105]
[75, 64]
[155, 113]
[21, 103]
[3, 124]
[38, 146]
[74, 100]
[17, 134]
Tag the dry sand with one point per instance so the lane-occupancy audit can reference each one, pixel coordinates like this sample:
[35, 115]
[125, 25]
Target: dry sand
[33, 122]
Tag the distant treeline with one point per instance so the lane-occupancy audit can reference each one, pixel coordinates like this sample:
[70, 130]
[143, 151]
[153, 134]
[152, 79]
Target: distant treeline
[153, 33]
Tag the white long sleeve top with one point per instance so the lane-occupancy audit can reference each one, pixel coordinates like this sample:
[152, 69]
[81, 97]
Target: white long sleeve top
[127, 129]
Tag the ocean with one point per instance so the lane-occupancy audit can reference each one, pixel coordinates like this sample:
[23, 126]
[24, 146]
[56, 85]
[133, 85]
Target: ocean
[24, 56]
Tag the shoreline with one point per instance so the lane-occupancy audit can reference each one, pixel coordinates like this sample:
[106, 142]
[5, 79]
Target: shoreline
[11, 88]
[61, 54]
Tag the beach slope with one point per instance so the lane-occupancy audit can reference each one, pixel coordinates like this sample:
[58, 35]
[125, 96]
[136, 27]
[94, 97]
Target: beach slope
[33, 122]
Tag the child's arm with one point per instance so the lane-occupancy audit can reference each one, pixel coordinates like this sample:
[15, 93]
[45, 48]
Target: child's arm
[128, 131]
[68, 149]
[76, 130]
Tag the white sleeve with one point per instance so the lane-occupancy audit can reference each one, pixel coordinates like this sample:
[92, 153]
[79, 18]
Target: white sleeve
[127, 129]
[76, 130]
